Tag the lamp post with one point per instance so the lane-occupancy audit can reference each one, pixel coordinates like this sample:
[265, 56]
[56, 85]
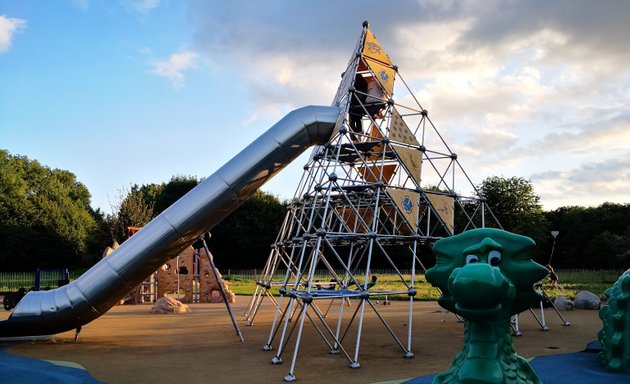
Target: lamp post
[554, 234]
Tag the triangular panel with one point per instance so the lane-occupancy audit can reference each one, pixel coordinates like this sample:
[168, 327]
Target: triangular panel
[445, 208]
[399, 131]
[412, 159]
[372, 49]
[407, 203]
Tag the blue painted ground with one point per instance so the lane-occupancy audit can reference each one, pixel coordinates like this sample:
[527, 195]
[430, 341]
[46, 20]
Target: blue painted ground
[568, 368]
[21, 370]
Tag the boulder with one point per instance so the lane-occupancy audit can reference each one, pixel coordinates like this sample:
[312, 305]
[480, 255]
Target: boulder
[587, 300]
[169, 305]
[563, 303]
[215, 296]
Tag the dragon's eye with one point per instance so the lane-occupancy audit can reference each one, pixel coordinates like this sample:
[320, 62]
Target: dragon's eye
[471, 259]
[494, 258]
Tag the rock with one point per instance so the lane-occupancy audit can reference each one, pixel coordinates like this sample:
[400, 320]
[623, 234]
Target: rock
[215, 297]
[587, 300]
[562, 303]
[169, 305]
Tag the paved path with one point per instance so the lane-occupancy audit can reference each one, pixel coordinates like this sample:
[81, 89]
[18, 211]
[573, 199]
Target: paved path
[131, 345]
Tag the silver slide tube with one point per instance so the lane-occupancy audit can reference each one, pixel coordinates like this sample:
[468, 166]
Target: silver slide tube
[102, 286]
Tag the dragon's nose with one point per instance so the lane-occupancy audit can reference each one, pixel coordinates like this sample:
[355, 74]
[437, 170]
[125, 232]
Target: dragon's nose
[478, 286]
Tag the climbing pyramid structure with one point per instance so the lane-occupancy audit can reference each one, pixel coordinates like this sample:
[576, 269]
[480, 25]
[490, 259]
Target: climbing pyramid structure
[377, 195]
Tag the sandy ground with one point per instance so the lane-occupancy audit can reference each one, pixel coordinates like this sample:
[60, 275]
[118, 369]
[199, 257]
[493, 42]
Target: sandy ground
[130, 345]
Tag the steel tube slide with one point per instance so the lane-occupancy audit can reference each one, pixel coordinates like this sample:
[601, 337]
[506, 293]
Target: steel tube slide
[102, 286]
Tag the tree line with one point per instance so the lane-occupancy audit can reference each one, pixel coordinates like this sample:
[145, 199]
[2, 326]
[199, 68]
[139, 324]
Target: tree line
[587, 237]
[46, 221]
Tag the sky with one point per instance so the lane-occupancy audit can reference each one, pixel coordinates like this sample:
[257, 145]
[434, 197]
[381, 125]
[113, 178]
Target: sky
[126, 92]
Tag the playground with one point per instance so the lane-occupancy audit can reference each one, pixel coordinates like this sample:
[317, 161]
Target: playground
[129, 344]
[360, 203]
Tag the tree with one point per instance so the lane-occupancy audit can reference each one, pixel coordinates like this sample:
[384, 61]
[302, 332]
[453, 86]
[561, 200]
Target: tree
[45, 216]
[607, 250]
[243, 239]
[134, 210]
[164, 195]
[593, 237]
[140, 204]
[517, 208]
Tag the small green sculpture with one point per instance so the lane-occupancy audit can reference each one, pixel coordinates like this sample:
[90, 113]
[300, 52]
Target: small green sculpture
[615, 333]
[486, 276]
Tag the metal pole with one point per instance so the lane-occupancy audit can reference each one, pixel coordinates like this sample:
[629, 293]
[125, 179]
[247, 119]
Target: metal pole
[515, 327]
[553, 245]
[177, 272]
[542, 316]
[220, 283]
[408, 353]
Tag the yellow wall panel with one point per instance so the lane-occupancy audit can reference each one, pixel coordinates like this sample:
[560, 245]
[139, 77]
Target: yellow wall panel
[407, 204]
[399, 131]
[372, 49]
[384, 74]
[445, 207]
[412, 159]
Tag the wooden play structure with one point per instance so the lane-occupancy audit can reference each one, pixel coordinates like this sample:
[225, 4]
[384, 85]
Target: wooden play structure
[188, 278]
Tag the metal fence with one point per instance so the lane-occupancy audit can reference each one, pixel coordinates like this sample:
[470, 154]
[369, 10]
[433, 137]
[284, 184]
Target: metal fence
[48, 279]
[566, 275]
[319, 273]
[589, 276]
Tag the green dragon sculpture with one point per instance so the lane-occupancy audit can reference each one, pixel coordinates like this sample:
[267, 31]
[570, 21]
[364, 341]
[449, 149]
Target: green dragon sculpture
[486, 276]
[615, 333]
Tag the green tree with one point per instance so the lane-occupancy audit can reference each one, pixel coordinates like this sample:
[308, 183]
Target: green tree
[101, 237]
[165, 194]
[133, 210]
[140, 204]
[517, 208]
[608, 250]
[45, 215]
[243, 239]
[593, 237]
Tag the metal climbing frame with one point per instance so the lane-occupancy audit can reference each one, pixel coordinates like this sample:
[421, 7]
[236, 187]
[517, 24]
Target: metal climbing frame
[516, 330]
[372, 197]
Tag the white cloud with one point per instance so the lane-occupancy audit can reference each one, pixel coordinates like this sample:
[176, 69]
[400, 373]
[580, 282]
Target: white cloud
[141, 7]
[524, 90]
[588, 184]
[8, 27]
[174, 67]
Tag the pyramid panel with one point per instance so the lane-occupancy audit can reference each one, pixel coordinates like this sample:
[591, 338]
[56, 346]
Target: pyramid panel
[445, 208]
[384, 75]
[399, 131]
[372, 49]
[407, 203]
[412, 159]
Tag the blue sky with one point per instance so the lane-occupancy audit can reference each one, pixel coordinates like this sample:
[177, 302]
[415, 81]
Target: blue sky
[136, 91]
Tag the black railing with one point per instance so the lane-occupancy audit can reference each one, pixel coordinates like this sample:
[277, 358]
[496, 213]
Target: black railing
[43, 279]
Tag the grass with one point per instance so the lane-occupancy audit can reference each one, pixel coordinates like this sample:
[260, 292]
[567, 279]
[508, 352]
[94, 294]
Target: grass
[571, 289]
[572, 281]
[245, 285]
